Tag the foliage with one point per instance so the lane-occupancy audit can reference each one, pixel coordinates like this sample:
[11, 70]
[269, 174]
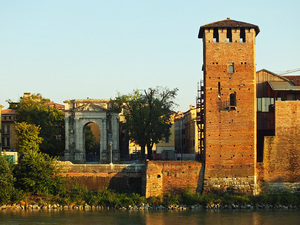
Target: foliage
[28, 137]
[38, 174]
[36, 110]
[147, 115]
[6, 179]
[78, 193]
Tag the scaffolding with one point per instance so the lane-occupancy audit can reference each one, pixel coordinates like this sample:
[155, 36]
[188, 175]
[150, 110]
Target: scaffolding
[200, 120]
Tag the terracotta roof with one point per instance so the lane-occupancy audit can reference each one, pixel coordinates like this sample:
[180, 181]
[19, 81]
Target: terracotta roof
[228, 23]
[55, 105]
[295, 79]
[8, 111]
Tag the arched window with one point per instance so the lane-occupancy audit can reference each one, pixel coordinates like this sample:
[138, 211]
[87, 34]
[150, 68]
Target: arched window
[233, 100]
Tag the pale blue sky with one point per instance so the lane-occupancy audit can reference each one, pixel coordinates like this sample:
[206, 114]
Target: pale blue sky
[67, 49]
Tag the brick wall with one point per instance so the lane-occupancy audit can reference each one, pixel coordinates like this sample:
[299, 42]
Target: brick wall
[281, 159]
[164, 177]
[230, 133]
[118, 177]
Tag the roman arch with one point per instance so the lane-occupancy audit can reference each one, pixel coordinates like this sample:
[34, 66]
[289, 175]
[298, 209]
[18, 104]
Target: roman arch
[79, 113]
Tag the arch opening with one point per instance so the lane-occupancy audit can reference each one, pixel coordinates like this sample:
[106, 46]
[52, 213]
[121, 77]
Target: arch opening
[92, 142]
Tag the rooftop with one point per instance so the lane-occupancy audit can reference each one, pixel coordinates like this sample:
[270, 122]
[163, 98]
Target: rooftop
[8, 112]
[228, 23]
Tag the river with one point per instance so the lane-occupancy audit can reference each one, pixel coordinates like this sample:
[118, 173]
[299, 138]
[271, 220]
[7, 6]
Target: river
[223, 217]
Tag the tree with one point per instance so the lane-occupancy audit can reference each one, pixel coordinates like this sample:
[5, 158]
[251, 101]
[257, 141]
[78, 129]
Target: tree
[147, 115]
[38, 174]
[35, 109]
[28, 137]
[6, 179]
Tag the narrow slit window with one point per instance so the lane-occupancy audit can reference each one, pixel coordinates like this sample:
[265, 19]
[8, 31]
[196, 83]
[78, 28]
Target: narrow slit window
[216, 35]
[242, 35]
[219, 90]
[229, 35]
[231, 68]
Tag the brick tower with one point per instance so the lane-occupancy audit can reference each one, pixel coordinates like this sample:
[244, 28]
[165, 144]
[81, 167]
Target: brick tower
[229, 106]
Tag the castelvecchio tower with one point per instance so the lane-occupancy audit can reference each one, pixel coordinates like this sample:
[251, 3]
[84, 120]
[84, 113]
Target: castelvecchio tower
[229, 68]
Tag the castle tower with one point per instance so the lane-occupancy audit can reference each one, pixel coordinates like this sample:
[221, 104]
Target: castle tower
[229, 105]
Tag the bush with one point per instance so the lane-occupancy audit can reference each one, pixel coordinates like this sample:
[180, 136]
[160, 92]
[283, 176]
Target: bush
[37, 174]
[78, 194]
[7, 179]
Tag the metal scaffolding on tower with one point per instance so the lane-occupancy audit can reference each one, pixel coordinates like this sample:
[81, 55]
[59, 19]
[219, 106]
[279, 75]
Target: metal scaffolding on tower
[200, 120]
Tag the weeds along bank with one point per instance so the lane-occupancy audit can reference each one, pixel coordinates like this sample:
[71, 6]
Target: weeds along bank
[79, 198]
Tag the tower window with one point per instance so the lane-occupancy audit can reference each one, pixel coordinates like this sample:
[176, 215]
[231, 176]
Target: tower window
[219, 90]
[229, 35]
[216, 35]
[233, 100]
[231, 68]
[242, 35]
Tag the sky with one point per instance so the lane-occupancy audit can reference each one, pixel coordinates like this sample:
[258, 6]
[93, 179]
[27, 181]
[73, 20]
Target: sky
[78, 49]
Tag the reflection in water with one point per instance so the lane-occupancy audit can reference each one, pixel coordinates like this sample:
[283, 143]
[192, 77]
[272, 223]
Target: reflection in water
[222, 217]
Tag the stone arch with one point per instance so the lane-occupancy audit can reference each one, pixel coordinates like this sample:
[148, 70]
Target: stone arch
[91, 141]
[79, 113]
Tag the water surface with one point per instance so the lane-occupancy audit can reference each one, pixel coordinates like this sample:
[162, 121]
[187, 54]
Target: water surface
[222, 217]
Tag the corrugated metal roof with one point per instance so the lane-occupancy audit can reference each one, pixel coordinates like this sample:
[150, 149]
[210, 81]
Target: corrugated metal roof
[283, 86]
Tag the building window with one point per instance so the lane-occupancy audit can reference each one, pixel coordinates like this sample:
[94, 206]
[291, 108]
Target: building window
[242, 35]
[233, 100]
[264, 104]
[8, 129]
[216, 35]
[3, 141]
[8, 142]
[229, 35]
[258, 104]
[231, 68]
[219, 90]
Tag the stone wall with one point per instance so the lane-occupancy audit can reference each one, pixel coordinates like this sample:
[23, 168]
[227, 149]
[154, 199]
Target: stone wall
[281, 159]
[163, 177]
[118, 177]
[237, 185]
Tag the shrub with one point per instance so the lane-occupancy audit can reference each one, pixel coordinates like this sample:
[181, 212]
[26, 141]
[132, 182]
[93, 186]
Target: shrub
[37, 174]
[6, 179]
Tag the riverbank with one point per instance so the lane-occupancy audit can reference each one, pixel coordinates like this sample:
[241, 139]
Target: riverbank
[79, 198]
[146, 207]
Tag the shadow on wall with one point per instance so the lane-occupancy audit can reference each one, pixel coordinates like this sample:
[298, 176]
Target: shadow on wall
[126, 182]
[121, 178]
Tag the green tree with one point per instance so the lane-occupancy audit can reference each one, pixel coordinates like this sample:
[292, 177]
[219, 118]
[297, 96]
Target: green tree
[147, 115]
[6, 179]
[37, 173]
[28, 137]
[35, 109]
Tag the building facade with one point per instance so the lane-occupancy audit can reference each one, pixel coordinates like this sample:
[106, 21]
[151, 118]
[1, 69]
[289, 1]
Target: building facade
[186, 134]
[8, 138]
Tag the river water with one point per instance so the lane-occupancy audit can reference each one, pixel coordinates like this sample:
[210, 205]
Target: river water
[223, 217]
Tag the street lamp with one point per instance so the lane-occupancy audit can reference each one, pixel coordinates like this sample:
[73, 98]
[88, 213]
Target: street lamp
[110, 145]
